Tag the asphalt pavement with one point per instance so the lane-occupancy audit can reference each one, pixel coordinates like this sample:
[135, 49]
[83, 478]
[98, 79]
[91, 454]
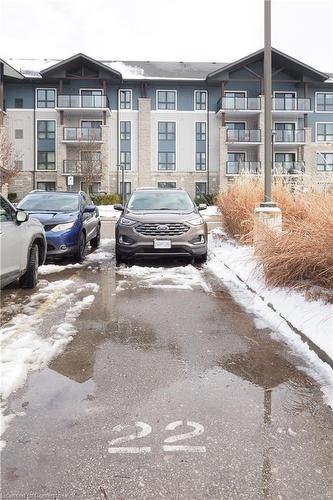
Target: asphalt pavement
[167, 390]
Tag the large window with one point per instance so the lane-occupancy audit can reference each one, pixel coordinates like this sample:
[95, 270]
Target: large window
[166, 185]
[46, 186]
[125, 99]
[46, 129]
[325, 132]
[125, 131]
[46, 98]
[125, 160]
[166, 99]
[200, 161]
[200, 100]
[166, 131]
[200, 189]
[325, 162]
[200, 131]
[166, 160]
[324, 101]
[46, 160]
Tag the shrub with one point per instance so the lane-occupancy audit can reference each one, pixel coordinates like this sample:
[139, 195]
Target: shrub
[106, 199]
[12, 197]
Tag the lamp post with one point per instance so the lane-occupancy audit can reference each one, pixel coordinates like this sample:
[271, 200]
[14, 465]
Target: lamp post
[267, 214]
[123, 192]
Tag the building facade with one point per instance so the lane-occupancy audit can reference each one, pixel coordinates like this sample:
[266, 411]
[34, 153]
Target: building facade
[191, 125]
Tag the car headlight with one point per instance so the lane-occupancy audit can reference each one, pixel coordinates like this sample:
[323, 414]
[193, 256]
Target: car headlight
[196, 221]
[126, 222]
[62, 227]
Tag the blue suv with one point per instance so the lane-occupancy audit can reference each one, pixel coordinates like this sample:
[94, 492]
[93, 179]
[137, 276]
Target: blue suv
[70, 220]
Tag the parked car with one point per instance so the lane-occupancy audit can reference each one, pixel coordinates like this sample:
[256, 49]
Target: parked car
[22, 246]
[70, 219]
[163, 222]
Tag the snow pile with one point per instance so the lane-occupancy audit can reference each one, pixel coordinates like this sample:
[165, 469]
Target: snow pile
[108, 212]
[104, 252]
[211, 210]
[54, 268]
[181, 278]
[230, 262]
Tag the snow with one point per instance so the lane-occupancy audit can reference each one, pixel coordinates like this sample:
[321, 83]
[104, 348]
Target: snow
[211, 210]
[108, 212]
[54, 268]
[180, 277]
[233, 263]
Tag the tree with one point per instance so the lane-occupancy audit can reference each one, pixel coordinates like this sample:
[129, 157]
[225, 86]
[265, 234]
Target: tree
[91, 161]
[8, 156]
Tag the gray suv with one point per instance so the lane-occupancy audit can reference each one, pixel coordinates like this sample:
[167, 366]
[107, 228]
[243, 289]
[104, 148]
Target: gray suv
[160, 222]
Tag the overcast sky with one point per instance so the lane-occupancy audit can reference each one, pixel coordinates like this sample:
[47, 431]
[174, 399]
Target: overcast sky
[180, 30]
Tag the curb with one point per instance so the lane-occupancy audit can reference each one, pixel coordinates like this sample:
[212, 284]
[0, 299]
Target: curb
[320, 353]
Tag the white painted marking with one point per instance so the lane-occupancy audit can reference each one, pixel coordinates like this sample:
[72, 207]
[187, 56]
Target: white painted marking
[198, 429]
[145, 431]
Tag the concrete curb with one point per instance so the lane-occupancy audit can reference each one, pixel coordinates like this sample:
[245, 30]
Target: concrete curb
[320, 353]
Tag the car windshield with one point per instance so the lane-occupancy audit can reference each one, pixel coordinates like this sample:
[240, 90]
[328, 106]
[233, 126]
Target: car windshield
[48, 202]
[160, 200]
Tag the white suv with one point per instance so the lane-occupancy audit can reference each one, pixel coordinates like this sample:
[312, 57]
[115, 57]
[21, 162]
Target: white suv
[22, 246]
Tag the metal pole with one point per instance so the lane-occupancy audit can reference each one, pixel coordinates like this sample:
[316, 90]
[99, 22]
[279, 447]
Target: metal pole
[268, 106]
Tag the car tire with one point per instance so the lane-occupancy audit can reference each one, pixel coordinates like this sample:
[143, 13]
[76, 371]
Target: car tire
[79, 255]
[94, 242]
[201, 259]
[30, 278]
[119, 257]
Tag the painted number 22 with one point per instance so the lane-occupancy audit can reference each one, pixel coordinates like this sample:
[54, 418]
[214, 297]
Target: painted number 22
[143, 430]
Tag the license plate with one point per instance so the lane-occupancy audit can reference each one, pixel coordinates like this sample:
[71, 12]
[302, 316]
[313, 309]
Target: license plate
[162, 243]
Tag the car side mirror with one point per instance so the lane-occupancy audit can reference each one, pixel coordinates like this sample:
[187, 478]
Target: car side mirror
[21, 216]
[118, 207]
[89, 209]
[202, 206]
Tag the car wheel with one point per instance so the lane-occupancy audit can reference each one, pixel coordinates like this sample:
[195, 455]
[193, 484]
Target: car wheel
[79, 256]
[119, 258]
[201, 259]
[30, 277]
[94, 242]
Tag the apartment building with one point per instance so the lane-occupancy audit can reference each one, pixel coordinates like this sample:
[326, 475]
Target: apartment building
[167, 124]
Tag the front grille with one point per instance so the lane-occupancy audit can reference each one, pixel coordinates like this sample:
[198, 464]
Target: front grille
[159, 229]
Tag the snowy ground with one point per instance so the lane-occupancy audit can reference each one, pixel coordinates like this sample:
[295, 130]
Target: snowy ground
[236, 266]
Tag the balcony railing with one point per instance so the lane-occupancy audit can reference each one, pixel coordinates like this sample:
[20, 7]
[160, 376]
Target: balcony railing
[79, 166]
[238, 104]
[243, 135]
[288, 167]
[83, 101]
[289, 136]
[82, 134]
[243, 167]
[291, 104]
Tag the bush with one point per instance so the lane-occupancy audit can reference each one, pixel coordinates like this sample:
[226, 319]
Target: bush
[209, 199]
[12, 197]
[106, 199]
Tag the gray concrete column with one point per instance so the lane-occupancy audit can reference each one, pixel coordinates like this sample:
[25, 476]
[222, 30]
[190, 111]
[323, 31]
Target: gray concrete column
[144, 142]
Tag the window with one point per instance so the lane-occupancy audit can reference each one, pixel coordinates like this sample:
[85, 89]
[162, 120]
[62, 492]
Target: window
[46, 129]
[325, 162]
[91, 156]
[6, 211]
[200, 100]
[127, 188]
[46, 160]
[18, 164]
[200, 161]
[94, 187]
[200, 131]
[166, 131]
[125, 160]
[324, 101]
[166, 160]
[46, 98]
[166, 185]
[46, 186]
[18, 102]
[200, 189]
[166, 99]
[235, 125]
[125, 99]
[125, 131]
[324, 132]
[19, 133]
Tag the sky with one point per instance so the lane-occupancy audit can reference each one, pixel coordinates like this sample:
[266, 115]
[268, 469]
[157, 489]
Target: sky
[178, 30]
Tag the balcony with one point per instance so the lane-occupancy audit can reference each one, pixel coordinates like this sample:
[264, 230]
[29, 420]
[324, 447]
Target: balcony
[82, 134]
[288, 167]
[78, 167]
[290, 104]
[243, 136]
[83, 102]
[243, 167]
[238, 104]
[287, 136]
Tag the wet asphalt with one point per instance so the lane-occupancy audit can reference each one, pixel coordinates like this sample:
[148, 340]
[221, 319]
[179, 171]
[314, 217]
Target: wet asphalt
[154, 364]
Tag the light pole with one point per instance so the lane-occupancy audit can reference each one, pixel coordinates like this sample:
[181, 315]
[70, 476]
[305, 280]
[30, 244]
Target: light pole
[123, 192]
